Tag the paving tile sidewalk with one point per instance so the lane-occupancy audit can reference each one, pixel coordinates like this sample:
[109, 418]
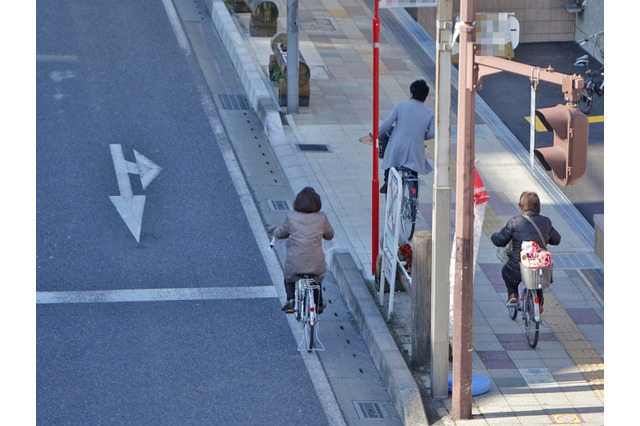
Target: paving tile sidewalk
[565, 374]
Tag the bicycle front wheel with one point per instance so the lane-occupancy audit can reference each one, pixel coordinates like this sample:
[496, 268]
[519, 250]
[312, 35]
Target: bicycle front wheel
[586, 101]
[513, 311]
[310, 322]
[531, 326]
[409, 207]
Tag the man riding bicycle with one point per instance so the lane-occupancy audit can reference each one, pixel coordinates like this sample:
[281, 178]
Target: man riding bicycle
[414, 122]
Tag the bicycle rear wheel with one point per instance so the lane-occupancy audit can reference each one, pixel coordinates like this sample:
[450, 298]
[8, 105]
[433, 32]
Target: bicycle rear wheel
[531, 326]
[409, 207]
[309, 320]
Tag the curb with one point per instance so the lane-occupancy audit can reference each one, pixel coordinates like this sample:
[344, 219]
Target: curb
[384, 351]
[260, 98]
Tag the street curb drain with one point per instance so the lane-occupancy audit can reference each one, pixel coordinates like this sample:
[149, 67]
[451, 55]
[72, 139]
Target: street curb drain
[235, 102]
[312, 147]
[279, 205]
[368, 409]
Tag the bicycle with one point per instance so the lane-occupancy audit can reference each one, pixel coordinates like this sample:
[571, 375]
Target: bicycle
[306, 312]
[533, 280]
[409, 203]
[593, 84]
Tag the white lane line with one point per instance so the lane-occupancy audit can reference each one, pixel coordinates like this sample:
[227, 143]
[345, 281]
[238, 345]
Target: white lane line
[177, 26]
[312, 362]
[156, 294]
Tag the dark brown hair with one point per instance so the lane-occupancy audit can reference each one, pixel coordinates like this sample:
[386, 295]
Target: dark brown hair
[529, 201]
[307, 201]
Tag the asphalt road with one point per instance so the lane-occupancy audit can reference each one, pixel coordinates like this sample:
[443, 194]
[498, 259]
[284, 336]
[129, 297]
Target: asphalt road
[113, 347]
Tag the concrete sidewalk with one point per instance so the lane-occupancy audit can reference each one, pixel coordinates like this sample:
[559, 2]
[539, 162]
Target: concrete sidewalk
[564, 376]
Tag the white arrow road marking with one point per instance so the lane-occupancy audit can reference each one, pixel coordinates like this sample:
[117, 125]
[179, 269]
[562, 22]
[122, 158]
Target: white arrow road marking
[147, 169]
[129, 206]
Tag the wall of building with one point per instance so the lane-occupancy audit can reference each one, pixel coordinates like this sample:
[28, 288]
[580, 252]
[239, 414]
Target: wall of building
[540, 20]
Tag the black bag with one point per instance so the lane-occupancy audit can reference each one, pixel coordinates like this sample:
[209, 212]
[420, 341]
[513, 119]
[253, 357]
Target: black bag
[383, 140]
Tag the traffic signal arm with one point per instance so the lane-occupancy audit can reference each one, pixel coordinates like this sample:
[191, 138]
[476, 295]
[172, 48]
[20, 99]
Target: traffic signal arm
[572, 85]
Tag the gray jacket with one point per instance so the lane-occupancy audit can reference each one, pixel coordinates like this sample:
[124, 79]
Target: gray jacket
[414, 123]
[304, 232]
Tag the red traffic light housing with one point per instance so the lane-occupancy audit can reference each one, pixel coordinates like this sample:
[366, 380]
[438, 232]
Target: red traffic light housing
[568, 155]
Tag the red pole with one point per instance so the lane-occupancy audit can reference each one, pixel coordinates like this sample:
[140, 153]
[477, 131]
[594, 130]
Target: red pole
[375, 185]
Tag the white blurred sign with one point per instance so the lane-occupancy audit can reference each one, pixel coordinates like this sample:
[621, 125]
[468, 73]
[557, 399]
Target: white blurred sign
[497, 34]
[407, 3]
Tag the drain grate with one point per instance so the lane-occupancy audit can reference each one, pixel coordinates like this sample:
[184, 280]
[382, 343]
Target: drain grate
[368, 409]
[279, 205]
[312, 147]
[233, 102]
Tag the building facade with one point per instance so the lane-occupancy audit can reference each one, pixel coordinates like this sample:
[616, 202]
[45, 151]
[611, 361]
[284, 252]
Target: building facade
[540, 20]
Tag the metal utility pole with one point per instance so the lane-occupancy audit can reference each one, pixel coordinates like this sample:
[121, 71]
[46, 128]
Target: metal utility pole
[441, 206]
[293, 61]
[463, 286]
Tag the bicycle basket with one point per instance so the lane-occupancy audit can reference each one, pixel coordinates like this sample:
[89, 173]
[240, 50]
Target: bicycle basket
[536, 278]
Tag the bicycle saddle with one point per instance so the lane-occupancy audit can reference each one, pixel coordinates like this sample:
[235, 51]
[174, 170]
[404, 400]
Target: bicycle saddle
[404, 169]
[582, 61]
[306, 276]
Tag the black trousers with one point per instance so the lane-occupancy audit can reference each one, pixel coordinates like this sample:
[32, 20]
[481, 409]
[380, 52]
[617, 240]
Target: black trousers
[290, 289]
[386, 176]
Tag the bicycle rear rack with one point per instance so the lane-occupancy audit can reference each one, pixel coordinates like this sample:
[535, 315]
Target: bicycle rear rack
[317, 344]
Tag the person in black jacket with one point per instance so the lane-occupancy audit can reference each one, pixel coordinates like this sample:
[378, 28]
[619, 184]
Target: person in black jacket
[517, 230]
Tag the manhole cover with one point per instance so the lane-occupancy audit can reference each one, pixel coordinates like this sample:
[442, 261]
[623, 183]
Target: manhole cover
[368, 409]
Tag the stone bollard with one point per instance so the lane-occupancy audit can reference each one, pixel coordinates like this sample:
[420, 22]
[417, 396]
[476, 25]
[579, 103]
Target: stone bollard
[240, 6]
[264, 18]
[278, 61]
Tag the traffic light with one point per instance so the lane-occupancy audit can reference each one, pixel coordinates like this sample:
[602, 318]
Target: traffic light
[568, 155]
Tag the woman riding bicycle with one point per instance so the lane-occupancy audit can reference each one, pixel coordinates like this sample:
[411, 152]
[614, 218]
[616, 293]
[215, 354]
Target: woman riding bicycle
[517, 230]
[305, 228]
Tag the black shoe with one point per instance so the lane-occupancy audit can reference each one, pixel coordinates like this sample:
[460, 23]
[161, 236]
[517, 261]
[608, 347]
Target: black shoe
[383, 190]
[288, 307]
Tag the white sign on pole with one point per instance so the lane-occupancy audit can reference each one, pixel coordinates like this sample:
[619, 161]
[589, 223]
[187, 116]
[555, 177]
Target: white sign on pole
[407, 3]
[390, 238]
[497, 34]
